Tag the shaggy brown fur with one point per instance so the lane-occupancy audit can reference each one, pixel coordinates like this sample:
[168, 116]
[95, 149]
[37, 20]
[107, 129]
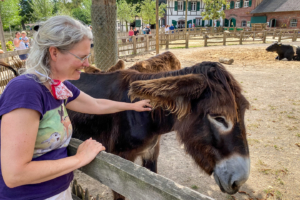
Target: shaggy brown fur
[171, 93]
[14, 66]
[221, 84]
[163, 62]
[94, 70]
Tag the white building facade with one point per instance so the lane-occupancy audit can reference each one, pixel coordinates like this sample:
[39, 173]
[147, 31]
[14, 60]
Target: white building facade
[175, 14]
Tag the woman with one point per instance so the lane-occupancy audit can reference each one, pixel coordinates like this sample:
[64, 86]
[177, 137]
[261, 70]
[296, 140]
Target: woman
[35, 127]
[167, 29]
[20, 45]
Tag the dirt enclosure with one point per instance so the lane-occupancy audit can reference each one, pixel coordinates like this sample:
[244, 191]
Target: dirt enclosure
[273, 127]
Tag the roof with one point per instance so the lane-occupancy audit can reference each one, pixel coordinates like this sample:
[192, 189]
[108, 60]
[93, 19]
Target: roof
[267, 6]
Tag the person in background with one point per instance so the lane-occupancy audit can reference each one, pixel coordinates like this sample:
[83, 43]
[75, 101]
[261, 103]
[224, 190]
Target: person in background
[20, 45]
[167, 29]
[148, 30]
[130, 33]
[144, 30]
[193, 25]
[25, 39]
[190, 25]
[172, 28]
[136, 32]
[35, 126]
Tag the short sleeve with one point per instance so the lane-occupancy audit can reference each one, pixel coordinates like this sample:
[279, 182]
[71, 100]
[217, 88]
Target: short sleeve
[22, 92]
[73, 89]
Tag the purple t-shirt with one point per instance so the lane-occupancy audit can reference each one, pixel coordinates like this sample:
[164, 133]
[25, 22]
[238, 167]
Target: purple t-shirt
[53, 135]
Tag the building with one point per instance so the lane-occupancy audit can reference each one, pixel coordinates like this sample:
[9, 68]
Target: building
[175, 14]
[239, 13]
[278, 13]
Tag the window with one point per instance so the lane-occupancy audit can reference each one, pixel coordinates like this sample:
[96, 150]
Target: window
[246, 3]
[180, 5]
[293, 23]
[198, 22]
[194, 6]
[244, 23]
[237, 4]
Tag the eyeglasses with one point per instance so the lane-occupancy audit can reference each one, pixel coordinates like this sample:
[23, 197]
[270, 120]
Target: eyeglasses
[81, 59]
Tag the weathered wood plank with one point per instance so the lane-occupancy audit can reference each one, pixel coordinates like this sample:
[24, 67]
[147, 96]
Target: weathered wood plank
[14, 53]
[133, 181]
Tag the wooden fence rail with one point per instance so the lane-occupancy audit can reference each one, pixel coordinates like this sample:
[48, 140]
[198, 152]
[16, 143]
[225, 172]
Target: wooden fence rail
[133, 181]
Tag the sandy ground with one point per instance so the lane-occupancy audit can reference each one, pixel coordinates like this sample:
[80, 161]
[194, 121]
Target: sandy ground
[273, 130]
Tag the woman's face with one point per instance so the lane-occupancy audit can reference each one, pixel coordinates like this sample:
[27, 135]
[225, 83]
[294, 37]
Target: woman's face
[18, 35]
[67, 66]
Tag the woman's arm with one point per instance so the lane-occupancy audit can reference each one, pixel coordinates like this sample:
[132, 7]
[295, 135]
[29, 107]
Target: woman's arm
[87, 104]
[18, 135]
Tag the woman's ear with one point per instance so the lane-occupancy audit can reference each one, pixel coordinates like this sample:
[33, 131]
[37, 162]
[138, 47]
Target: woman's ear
[53, 53]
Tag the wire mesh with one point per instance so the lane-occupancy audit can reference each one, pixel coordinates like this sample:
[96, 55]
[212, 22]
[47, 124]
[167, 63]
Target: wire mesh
[104, 19]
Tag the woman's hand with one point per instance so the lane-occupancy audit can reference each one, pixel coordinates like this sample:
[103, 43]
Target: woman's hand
[88, 150]
[143, 105]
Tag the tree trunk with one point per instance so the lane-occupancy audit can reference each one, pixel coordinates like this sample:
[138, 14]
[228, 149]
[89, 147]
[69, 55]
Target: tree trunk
[23, 25]
[104, 17]
[2, 36]
[126, 26]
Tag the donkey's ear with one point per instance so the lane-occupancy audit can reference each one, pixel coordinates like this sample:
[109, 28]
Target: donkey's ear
[171, 93]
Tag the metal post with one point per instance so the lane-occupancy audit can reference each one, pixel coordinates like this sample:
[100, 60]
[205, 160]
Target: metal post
[157, 29]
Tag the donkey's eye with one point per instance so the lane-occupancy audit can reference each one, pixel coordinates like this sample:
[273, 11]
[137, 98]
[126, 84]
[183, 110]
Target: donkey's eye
[220, 119]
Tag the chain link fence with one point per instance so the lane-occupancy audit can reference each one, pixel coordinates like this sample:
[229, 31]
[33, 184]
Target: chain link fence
[104, 19]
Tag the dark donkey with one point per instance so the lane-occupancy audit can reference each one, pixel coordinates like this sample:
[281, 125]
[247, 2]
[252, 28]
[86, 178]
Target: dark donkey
[202, 103]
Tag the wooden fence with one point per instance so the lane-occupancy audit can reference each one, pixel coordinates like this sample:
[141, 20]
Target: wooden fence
[130, 46]
[133, 181]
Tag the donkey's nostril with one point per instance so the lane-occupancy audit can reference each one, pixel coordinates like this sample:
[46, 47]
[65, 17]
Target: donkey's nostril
[234, 186]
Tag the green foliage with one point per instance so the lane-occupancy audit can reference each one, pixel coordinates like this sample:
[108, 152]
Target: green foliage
[26, 11]
[126, 12]
[9, 12]
[42, 9]
[148, 11]
[9, 46]
[213, 9]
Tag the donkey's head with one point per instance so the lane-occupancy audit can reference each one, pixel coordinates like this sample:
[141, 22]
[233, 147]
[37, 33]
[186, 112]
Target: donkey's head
[209, 108]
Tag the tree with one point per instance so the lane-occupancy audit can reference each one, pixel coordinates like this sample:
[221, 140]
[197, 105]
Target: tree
[126, 12]
[26, 12]
[42, 9]
[9, 11]
[104, 17]
[213, 9]
[148, 11]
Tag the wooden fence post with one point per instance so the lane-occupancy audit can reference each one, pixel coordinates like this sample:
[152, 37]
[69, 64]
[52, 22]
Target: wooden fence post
[224, 38]
[147, 43]
[134, 45]
[274, 34]
[296, 35]
[205, 40]
[187, 40]
[234, 30]
[265, 36]
[280, 34]
[200, 31]
[167, 41]
[241, 37]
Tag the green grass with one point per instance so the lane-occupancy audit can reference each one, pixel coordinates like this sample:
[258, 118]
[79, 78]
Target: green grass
[194, 187]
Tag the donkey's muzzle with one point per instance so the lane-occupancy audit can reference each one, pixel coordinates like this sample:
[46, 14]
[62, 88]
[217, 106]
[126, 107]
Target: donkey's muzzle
[231, 173]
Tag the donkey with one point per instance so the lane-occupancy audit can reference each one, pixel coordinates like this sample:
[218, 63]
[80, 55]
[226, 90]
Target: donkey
[202, 103]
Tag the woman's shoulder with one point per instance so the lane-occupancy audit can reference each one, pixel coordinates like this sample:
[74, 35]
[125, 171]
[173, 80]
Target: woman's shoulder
[24, 82]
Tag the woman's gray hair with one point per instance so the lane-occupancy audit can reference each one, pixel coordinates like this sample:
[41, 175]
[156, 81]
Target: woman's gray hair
[62, 32]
